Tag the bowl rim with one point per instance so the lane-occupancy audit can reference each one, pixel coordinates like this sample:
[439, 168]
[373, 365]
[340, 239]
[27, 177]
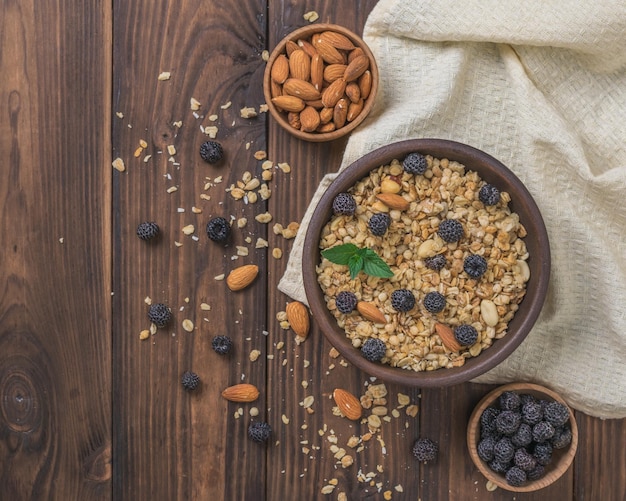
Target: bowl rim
[565, 456]
[488, 167]
[367, 104]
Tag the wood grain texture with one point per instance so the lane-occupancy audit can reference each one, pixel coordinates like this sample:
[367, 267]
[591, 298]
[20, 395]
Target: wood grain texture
[55, 360]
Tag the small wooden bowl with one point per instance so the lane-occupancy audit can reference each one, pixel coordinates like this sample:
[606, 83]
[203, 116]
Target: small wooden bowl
[305, 33]
[561, 458]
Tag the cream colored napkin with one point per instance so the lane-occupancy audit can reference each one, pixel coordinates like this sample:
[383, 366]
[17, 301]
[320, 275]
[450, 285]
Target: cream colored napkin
[540, 85]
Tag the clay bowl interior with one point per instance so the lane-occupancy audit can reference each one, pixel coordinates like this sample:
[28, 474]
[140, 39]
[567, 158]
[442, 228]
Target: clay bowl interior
[492, 171]
[305, 33]
[561, 458]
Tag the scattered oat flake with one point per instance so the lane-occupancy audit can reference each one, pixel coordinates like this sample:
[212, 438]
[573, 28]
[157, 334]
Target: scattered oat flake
[164, 75]
[172, 189]
[311, 16]
[328, 489]
[277, 253]
[188, 325]
[254, 355]
[211, 131]
[205, 307]
[178, 124]
[194, 104]
[118, 164]
[189, 229]
[178, 244]
[265, 55]
[264, 108]
[387, 495]
[213, 118]
[219, 277]
[144, 334]
[285, 167]
[260, 154]
[261, 243]
[226, 106]
[247, 112]
[196, 210]
[153, 329]
[491, 486]
[147, 158]
[399, 488]
[264, 218]
[119, 114]
[171, 149]
[284, 419]
[61, 240]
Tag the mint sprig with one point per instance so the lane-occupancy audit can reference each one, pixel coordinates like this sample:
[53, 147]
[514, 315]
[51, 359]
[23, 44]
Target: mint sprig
[357, 259]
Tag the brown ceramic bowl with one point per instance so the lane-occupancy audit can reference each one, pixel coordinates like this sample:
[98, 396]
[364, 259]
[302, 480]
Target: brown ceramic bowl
[305, 33]
[561, 458]
[490, 170]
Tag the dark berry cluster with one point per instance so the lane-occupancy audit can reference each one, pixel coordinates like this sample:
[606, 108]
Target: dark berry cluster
[379, 223]
[211, 151]
[450, 230]
[517, 439]
[222, 344]
[374, 349]
[148, 230]
[489, 194]
[346, 301]
[344, 204]
[402, 300]
[424, 449]
[259, 431]
[415, 163]
[159, 314]
[434, 302]
[218, 229]
[190, 380]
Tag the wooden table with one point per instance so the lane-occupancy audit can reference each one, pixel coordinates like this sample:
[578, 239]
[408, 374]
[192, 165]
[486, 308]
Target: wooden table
[88, 411]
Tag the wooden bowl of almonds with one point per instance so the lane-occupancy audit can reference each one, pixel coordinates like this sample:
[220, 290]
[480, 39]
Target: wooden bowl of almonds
[320, 82]
[426, 262]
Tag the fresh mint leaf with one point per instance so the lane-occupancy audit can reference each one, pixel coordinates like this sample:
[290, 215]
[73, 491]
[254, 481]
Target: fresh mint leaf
[373, 265]
[340, 254]
[355, 265]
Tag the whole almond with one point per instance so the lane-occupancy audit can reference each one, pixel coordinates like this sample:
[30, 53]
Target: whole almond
[307, 47]
[355, 53]
[365, 84]
[337, 40]
[328, 127]
[300, 88]
[309, 119]
[340, 113]
[289, 103]
[241, 277]
[276, 89]
[293, 117]
[353, 92]
[334, 71]
[317, 71]
[447, 337]
[290, 47]
[356, 68]
[298, 318]
[348, 404]
[280, 69]
[243, 392]
[300, 65]
[316, 103]
[329, 54]
[371, 312]
[326, 114]
[393, 201]
[333, 93]
[354, 110]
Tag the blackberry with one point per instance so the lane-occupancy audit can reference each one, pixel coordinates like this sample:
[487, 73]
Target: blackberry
[542, 453]
[515, 476]
[190, 380]
[434, 302]
[436, 262]
[562, 438]
[524, 459]
[523, 436]
[489, 194]
[222, 344]
[344, 204]
[556, 413]
[499, 466]
[532, 412]
[509, 401]
[415, 163]
[527, 397]
[218, 229]
[260, 431]
[504, 450]
[485, 449]
[346, 301]
[425, 449]
[465, 334]
[379, 223]
[211, 151]
[450, 230]
[373, 349]
[159, 314]
[508, 422]
[543, 431]
[537, 472]
[402, 300]
[474, 265]
[488, 422]
[148, 230]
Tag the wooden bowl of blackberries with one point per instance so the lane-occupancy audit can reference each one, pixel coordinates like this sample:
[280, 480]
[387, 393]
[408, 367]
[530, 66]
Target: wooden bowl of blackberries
[522, 437]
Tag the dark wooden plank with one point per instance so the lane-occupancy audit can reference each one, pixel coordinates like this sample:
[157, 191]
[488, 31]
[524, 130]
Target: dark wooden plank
[170, 444]
[55, 360]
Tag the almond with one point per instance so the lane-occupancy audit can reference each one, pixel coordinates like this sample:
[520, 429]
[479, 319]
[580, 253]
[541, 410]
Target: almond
[393, 201]
[300, 88]
[447, 337]
[329, 54]
[365, 84]
[316, 103]
[333, 93]
[353, 92]
[309, 119]
[293, 117]
[371, 312]
[241, 277]
[276, 89]
[348, 404]
[356, 68]
[289, 103]
[307, 47]
[355, 53]
[290, 47]
[340, 113]
[300, 65]
[242, 392]
[334, 71]
[337, 40]
[326, 114]
[298, 318]
[324, 128]
[317, 71]
[280, 69]
[354, 110]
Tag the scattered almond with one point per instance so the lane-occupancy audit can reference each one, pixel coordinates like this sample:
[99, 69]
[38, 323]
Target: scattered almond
[298, 317]
[242, 392]
[348, 404]
[242, 277]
